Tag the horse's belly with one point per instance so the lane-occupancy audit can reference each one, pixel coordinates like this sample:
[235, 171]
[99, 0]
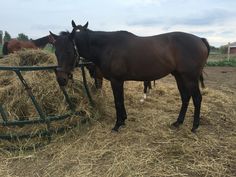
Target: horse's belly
[148, 73]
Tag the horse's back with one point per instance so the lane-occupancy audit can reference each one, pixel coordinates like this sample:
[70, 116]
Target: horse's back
[131, 57]
[16, 45]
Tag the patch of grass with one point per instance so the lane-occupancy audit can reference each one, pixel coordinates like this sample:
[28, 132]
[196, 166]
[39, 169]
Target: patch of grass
[231, 62]
[49, 48]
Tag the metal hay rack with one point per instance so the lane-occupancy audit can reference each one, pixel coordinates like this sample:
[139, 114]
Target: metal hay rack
[42, 117]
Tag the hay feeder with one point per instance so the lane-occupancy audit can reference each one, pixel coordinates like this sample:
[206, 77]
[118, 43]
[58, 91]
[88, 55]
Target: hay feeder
[42, 118]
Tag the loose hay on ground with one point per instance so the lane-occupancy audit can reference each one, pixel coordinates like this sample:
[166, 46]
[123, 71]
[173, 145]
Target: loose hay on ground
[147, 146]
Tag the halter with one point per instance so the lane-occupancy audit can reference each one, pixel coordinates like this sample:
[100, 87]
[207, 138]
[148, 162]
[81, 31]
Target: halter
[77, 59]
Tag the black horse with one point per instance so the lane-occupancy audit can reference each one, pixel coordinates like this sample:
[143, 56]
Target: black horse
[123, 56]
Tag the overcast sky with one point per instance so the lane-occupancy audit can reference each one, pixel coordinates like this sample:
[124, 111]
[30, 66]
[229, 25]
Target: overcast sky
[212, 19]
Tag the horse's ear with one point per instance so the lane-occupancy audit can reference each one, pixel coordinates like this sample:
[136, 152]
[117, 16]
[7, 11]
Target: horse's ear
[73, 24]
[53, 36]
[85, 26]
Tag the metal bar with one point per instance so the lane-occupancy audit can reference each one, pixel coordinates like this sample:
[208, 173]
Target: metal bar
[36, 68]
[68, 100]
[37, 120]
[86, 86]
[27, 68]
[3, 114]
[28, 89]
[40, 133]
[37, 107]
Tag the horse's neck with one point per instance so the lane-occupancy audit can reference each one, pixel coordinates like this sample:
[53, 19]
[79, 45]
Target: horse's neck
[82, 41]
[41, 42]
[92, 45]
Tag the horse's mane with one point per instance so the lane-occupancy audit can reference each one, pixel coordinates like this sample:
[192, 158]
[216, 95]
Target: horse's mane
[64, 33]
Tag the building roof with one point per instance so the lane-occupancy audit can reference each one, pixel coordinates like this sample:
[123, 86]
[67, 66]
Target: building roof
[233, 44]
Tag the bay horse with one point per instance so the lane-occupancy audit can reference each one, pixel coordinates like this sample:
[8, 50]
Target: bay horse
[16, 45]
[122, 56]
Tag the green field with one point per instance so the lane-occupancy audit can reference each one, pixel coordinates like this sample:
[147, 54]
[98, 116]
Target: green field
[221, 60]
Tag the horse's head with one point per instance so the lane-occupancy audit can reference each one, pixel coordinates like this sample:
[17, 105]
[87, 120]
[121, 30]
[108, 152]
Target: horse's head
[94, 71]
[67, 55]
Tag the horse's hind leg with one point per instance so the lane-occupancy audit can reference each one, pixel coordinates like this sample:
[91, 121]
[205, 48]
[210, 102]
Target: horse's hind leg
[185, 97]
[189, 87]
[194, 90]
[197, 99]
[146, 86]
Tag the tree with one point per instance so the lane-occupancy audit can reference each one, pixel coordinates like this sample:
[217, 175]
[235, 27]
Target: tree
[214, 49]
[7, 37]
[224, 49]
[22, 37]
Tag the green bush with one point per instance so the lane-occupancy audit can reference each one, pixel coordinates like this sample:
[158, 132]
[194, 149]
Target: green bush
[225, 62]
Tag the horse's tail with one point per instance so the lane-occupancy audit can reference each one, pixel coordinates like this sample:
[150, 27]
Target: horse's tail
[5, 49]
[201, 79]
[204, 40]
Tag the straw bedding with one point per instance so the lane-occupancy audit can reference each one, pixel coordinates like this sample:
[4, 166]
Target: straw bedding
[147, 146]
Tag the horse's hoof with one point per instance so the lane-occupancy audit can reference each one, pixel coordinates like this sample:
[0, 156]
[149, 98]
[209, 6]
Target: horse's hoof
[176, 124]
[123, 126]
[194, 129]
[118, 126]
[114, 130]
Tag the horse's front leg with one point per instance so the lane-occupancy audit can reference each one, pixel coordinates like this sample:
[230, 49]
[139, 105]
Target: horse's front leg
[118, 93]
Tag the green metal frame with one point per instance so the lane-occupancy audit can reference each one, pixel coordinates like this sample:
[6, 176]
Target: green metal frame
[42, 119]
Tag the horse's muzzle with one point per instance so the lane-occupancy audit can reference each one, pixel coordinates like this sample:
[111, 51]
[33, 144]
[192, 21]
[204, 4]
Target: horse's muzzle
[62, 76]
[62, 81]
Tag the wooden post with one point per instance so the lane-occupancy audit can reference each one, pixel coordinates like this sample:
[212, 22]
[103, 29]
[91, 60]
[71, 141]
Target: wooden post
[228, 51]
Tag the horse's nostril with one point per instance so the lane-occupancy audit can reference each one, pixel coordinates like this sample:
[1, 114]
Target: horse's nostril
[61, 81]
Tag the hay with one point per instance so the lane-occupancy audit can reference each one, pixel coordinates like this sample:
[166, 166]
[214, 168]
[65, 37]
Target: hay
[147, 146]
[44, 86]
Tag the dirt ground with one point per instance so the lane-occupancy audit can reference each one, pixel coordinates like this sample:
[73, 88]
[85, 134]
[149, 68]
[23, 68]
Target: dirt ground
[147, 146]
[221, 77]
[217, 77]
